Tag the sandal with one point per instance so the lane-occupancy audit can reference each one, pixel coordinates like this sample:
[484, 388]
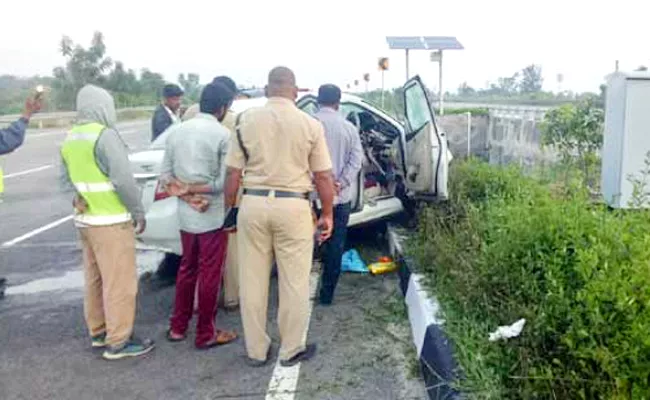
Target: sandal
[172, 338]
[220, 338]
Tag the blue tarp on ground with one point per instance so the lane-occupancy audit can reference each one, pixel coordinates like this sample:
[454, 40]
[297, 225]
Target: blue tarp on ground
[352, 262]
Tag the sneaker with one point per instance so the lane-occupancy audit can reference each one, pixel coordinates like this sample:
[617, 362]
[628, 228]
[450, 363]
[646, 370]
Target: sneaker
[99, 340]
[305, 355]
[132, 348]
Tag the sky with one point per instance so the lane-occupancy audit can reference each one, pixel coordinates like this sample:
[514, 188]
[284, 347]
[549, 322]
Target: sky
[336, 41]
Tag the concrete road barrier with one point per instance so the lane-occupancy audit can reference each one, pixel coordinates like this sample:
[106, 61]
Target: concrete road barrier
[434, 350]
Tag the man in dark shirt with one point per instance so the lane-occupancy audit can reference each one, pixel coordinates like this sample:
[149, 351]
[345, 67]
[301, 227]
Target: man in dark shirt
[10, 139]
[167, 112]
[13, 136]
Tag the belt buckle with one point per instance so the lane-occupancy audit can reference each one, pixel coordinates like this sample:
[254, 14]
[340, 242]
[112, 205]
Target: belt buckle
[271, 194]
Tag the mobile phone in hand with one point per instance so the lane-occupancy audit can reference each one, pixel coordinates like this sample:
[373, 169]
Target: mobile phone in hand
[38, 92]
[230, 221]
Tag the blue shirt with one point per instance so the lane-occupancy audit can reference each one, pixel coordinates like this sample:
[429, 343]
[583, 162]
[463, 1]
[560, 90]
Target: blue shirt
[345, 149]
[12, 137]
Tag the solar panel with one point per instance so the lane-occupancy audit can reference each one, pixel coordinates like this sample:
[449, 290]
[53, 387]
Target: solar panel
[442, 43]
[423, 43]
[405, 42]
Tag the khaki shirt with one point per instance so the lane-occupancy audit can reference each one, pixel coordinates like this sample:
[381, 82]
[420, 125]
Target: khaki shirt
[285, 146]
[229, 121]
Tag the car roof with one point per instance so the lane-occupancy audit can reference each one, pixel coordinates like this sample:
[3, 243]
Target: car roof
[244, 104]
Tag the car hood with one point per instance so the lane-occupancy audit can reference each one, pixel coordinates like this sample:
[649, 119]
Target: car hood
[146, 163]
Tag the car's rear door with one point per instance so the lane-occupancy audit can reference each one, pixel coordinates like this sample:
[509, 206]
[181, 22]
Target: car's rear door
[426, 146]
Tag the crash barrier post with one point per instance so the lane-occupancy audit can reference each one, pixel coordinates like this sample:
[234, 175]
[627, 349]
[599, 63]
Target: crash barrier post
[433, 348]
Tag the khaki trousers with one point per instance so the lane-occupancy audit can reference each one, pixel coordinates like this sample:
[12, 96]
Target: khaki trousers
[231, 277]
[111, 281]
[280, 226]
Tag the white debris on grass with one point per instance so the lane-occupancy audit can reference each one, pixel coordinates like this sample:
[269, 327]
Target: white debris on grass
[508, 331]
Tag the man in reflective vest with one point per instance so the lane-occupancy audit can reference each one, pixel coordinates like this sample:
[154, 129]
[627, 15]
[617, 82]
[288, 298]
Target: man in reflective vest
[107, 205]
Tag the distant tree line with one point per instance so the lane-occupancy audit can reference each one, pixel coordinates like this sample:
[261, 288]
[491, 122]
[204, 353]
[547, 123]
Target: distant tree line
[131, 89]
[92, 65]
[521, 88]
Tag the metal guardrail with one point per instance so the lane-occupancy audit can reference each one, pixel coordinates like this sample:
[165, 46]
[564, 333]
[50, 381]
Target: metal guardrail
[63, 114]
[502, 108]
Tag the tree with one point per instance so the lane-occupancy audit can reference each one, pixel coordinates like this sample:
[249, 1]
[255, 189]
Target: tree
[531, 79]
[83, 66]
[508, 85]
[464, 90]
[151, 83]
[191, 85]
[122, 81]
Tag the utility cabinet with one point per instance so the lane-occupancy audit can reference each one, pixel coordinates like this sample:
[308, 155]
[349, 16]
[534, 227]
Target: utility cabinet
[626, 136]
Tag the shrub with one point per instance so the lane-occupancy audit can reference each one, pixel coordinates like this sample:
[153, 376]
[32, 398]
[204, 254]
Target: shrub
[506, 247]
[576, 132]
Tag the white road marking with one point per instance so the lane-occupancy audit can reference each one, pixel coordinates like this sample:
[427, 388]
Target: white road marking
[29, 171]
[147, 262]
[36, 232]
[284, 381]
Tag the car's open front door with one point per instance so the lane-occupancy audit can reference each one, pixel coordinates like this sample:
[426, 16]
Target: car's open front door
[426, 146]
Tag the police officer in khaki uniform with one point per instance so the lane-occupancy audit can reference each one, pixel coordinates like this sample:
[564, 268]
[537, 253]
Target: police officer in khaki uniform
[280, 148]
[231, 276]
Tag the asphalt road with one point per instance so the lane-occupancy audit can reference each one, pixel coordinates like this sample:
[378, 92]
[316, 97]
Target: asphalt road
[44, 349]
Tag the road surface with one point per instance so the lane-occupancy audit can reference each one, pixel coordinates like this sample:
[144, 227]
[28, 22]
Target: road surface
[364, 346]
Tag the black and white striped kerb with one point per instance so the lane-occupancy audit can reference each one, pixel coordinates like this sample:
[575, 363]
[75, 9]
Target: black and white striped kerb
[433, 349]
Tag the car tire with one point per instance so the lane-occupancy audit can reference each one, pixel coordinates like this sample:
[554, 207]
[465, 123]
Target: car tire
[168, 267]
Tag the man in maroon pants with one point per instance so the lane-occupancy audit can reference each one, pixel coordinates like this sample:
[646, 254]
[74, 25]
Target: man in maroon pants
[193, 169]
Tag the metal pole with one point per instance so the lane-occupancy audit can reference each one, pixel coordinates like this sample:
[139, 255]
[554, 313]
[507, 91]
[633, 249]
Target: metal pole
[441, 110]
[469, 134]
[382, 88]
[407, 64]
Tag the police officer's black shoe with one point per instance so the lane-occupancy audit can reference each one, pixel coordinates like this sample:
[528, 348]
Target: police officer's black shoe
[305, 355]
[3, 284]
[259, 363]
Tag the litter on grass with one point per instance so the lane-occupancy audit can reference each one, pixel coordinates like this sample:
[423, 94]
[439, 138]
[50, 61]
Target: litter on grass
[383, 266]
[508, 331]
[352, 262]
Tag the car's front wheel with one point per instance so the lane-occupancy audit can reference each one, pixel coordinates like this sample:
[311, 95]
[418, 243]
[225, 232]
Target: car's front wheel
[168, 268]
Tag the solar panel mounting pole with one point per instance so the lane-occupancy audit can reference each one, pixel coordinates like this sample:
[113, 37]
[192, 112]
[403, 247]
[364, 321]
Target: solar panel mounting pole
[441, 110]
[407, 64]
[382, 88]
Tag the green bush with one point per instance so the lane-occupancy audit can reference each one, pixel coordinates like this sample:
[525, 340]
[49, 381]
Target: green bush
[507, 247]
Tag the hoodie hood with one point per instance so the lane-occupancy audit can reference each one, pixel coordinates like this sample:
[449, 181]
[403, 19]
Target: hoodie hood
[95, 104]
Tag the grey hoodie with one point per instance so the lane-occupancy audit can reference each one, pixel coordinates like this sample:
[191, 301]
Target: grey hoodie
[95, 104]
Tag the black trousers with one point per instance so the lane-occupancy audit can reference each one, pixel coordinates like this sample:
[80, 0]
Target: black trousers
[332, 253]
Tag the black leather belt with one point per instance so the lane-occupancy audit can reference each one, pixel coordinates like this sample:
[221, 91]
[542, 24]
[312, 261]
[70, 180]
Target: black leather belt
[278, 194]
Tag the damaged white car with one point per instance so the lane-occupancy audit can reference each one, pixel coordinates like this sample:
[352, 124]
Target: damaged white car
[403, 161]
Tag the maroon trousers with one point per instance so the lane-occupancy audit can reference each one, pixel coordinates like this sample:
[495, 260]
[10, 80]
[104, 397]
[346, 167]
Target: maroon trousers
[203, 261]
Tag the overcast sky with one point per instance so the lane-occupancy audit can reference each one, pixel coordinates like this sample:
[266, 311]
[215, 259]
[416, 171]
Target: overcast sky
[335, 41]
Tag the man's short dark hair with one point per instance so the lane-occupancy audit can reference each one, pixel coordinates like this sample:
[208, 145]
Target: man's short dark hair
[215, 96]
[172, 90]
[227, 82]
[329, 94]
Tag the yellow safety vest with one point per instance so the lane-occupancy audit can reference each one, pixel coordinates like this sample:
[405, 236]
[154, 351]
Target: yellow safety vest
[78, 152]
